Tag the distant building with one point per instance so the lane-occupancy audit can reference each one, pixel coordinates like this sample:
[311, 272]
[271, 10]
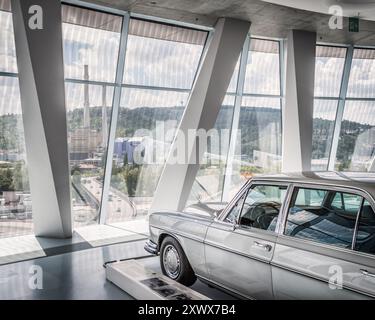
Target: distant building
[10, 156]
[319, 164]
[83, 142]
[266, 160]
[125, 147]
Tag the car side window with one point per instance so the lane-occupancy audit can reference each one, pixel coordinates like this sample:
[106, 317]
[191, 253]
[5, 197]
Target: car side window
[330, 220]
[262, 206]
[365, 238]
[347, 202]
[310, 197]
[235, 211]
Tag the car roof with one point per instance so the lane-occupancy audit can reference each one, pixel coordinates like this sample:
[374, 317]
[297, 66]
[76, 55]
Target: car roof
[359, 180]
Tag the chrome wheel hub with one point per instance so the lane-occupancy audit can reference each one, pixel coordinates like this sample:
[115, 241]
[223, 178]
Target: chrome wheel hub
[171, 261]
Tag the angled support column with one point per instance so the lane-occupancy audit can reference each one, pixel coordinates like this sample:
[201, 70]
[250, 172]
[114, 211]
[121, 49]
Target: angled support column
[201, 112]
[340, 108]
[235, 122]
[41, 79]
[299, 101]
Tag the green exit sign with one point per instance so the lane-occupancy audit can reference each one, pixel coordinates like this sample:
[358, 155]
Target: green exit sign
[353, 24]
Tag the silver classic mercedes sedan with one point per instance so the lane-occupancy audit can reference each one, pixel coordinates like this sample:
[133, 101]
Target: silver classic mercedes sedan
[295, 236]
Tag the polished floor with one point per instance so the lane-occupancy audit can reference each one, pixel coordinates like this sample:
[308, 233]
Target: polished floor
[21, 248]
[77, 275]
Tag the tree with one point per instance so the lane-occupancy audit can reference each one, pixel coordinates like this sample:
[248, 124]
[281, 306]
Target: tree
[76, 175]
[20, 177]
[126, 160]
[131, 175]
[6, 180]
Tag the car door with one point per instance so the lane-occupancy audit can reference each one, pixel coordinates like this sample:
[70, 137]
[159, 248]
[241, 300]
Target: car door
[314, 258]
[239, 246]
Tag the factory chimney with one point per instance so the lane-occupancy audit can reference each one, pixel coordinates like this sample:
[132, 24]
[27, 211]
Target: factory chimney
[104, 117]
[86, 112]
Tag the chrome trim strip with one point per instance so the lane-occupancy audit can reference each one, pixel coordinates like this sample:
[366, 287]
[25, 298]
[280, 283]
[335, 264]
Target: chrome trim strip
[212, 244]
[178, 233]
[317, 247]
[259, 234]
[345, 286]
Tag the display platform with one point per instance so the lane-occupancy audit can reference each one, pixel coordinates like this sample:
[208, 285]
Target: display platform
[143, 283]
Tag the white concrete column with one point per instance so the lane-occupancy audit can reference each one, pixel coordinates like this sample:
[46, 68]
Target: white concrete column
[41, 79]
[201, 112]
[299, 101]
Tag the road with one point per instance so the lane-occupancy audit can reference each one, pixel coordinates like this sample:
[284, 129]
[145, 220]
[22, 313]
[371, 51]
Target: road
[120, 208]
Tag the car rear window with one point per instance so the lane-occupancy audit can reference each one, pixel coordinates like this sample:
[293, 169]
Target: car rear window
[323, 216]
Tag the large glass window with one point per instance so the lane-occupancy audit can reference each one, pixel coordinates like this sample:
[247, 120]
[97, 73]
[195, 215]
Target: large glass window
[161, 63]
[362, 73]
[329, 69]
[208, 185]
[323, 127]
[258, 140]
[356, 147]
[209, 182]
[91, 41]
[91, 47]
[263, 68]
[15, 198]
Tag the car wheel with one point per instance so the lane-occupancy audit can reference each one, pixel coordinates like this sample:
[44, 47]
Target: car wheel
[174, 263]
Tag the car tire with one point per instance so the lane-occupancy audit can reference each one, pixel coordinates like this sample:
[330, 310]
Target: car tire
[174, 263]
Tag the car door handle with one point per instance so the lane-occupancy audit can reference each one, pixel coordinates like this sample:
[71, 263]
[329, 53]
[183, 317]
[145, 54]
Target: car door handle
[366, 273]
[264, 246]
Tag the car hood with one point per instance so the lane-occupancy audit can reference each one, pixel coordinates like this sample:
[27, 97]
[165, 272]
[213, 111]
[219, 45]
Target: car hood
[207, 209]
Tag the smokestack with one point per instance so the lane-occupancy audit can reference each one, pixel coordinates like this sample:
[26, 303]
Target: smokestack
[104, 117]
[86, 112]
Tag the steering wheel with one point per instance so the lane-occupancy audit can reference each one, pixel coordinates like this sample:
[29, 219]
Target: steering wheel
[262, 217]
